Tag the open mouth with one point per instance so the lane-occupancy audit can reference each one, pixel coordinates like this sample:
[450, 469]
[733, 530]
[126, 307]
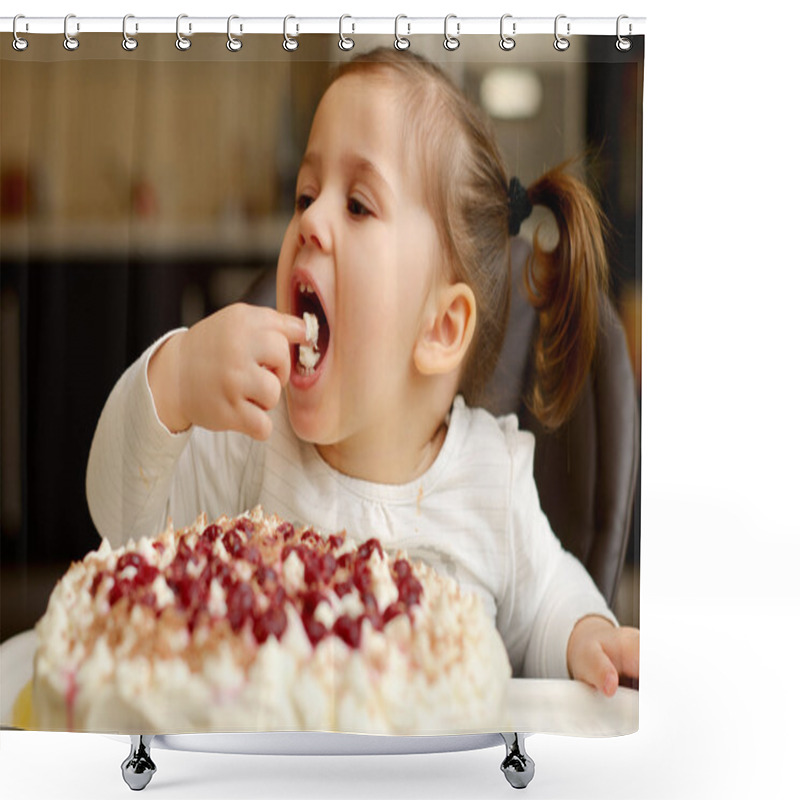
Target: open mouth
[308, 358]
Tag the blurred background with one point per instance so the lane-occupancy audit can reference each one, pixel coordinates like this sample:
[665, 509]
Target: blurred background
[143, 190]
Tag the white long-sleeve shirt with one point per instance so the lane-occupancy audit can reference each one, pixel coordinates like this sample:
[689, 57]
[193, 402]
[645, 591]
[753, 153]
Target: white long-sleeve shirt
[474, 514]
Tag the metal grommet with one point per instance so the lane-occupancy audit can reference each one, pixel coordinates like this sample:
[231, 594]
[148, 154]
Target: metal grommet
[451, 42]
[290, 43]
[182, 43]
[400, 42]
[128, 42]
[344, 42]
[70, 42]
[233, 44]
[560, 43]
[506, 42]
[18, 43]
[623, 44]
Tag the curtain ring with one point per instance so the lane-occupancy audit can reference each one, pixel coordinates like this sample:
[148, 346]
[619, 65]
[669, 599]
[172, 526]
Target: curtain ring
[560, 43]
[128, 42]
[400, 42]
[18, 43]
[234, 44]
[182, 43]
[344, 42]
[451, 42]
[623, 44]
[290, 43]
[70, 42]
[506, 42]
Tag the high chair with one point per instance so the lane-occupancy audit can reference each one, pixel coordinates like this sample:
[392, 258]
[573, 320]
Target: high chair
[587, 470]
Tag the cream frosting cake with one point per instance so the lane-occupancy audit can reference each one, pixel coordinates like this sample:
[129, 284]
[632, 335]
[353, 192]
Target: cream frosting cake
[253, 624]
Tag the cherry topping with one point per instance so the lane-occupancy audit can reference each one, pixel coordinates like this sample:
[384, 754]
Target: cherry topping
[362, 576]
[146, 575]
[371, 610]
[344, 587]
[402, 568]
[409, 590]
[265, 575]
[271, 623]
[346, 560]
[130, 587]
[240, 604]
[223, 572]
[211, 533]
[366, 549]
[348, 630]
[315, 630]
[120, 589]
[285, 529]
[311, 536]
[319, 568]
[204, 547]
[233, 543]
[246, 526]
[129, 560]
[291, 548]
[192, 593]
[251, 553]
[310, 600]
[391, 611]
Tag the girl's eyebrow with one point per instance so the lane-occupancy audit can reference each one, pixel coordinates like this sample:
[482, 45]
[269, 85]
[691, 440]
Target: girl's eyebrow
[360, 165]
[356, 164]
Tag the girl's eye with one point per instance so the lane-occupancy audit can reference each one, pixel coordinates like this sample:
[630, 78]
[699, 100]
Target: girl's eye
[357, 208]
[303, 202]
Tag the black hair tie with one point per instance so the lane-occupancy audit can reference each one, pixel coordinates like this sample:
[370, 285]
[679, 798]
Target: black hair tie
[519, 206]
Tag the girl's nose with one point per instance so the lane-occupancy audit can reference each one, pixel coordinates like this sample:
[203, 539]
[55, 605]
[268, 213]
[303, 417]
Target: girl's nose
[314, 227]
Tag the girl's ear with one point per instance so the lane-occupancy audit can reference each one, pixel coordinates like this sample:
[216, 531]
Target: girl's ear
[445, 339]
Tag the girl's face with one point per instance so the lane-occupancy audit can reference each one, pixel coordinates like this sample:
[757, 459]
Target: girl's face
[361, 252]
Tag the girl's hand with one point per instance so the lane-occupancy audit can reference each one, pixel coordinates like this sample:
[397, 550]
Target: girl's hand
[598, 653]
[226, 372]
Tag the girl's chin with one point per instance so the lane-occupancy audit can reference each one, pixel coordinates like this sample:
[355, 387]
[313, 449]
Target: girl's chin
[306, 419]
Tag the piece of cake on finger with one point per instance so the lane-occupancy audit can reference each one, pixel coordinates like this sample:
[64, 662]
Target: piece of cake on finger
[254, 624]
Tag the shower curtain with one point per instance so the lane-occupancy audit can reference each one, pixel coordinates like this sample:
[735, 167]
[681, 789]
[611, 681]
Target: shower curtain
[145, 189]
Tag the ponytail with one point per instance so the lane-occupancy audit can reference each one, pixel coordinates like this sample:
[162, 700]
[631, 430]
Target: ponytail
[477, 209]
[565, 285]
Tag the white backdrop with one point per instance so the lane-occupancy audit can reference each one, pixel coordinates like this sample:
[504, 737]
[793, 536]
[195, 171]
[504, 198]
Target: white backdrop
[720, 604]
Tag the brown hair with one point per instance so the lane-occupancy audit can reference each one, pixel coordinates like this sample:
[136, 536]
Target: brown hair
[466, 185]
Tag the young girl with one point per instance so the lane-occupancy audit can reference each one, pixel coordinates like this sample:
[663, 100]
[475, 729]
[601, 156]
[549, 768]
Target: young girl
[399, 244]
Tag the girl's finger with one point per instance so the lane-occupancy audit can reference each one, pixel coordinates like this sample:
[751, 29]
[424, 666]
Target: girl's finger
[272, 352]
[623, 650]
[264, 388]
[294, 328]
[290, 327]
[253, 421]
[598, 670]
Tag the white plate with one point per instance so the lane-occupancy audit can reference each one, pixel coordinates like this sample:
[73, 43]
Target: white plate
[540, 706]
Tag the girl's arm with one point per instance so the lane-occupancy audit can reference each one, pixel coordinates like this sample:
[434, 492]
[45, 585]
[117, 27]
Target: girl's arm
[139, 473]
[131, 460]
[175, 434]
